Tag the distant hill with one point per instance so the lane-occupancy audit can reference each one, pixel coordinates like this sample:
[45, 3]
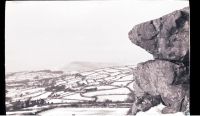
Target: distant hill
[86, 66]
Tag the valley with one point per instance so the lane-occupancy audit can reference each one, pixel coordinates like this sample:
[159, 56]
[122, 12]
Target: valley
[35, 91]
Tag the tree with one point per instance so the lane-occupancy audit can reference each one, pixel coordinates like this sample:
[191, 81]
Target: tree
[42, 102]
[27, 103]
[17, 105]
[108, 101]
[74, 105]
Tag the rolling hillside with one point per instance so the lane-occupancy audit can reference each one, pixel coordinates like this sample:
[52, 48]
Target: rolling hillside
[111, 84]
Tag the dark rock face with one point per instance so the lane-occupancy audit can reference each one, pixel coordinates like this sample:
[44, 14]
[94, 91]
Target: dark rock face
[165, 79]
[166, 37]
[144, 103]
[156, 78]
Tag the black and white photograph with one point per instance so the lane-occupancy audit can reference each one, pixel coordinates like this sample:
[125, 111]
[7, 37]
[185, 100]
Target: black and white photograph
[97, 58]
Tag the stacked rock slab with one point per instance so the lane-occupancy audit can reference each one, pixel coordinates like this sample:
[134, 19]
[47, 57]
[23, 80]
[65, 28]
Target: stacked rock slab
[165, 78]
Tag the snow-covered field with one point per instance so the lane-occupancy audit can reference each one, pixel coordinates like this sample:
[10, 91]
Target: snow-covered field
[113, 98]
[156, 111]
[85, 112]
[105, 87]
[42, 96]
[121, 83]
[77, 97]
[34, 84]
[107, 92]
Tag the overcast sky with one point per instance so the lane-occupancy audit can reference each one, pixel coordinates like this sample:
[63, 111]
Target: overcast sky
[49, 35]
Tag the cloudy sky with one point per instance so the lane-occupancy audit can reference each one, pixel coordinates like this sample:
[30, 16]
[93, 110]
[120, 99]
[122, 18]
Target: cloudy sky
[49, 35]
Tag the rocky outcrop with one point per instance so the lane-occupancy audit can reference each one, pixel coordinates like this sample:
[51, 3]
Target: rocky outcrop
[165, 79]
[157, 78]
[166, 38]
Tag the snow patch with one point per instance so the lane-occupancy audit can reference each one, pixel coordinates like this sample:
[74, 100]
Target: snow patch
[156, 111]
[107, 92]
[43, 96]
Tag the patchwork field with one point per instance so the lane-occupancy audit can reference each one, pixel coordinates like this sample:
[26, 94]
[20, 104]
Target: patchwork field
[109, 87]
